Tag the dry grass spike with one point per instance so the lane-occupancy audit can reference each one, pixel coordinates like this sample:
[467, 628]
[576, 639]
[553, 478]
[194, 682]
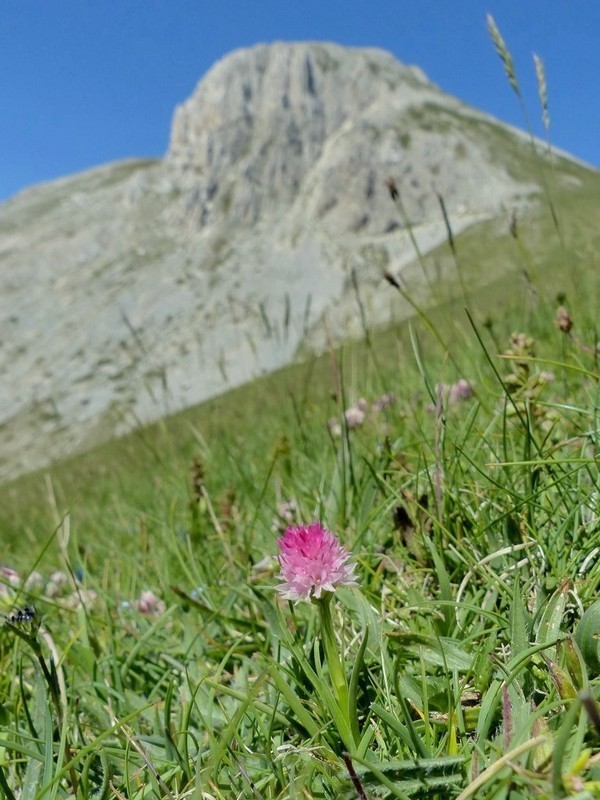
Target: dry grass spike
[503, 52]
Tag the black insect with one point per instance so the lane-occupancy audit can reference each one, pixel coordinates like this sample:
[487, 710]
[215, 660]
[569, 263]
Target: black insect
[22, 616]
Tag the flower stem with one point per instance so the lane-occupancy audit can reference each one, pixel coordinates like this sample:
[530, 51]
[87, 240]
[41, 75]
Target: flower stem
[334, 663]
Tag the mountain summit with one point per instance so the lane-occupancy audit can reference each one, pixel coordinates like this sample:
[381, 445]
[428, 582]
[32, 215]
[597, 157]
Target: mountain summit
[315, 129]
[262, 119]
[143, 287]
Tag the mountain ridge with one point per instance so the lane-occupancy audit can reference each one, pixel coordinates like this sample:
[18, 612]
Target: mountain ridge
[142, 287]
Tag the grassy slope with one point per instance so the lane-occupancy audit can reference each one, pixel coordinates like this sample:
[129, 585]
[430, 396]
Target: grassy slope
[538, 268]
[469, 570]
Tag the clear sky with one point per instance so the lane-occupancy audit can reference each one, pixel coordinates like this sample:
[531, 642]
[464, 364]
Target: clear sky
[89, 81]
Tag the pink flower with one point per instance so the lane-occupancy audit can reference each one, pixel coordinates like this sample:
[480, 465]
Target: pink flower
[453, 393]
[149, 604]
[461, 390]
[9, 576]
[312, 562]
[355, 416]
[385, 401]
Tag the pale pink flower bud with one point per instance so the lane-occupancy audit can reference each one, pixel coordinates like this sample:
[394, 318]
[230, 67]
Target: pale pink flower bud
[149, 604]
[461, 390]
[10, 576]
[335, 429]
[355, 417]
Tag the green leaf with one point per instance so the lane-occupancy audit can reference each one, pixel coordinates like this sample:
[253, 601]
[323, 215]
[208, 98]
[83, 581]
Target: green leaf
[441, 651]
[561, 744]
[551, 619]
[562, 681]
[353, 688]
[225, 738]
[491, 698]
[420, 777]
[520, 622]
[416, 767]
[587, 637]
[575, 662]
[446, 594]
[43, 722]
[5, 787]
[393, 722]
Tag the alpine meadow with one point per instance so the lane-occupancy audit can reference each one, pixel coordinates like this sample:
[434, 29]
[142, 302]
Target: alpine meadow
[313, 509]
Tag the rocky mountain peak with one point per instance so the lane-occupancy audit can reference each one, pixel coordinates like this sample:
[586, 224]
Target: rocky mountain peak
[258, 122]
[141, 288]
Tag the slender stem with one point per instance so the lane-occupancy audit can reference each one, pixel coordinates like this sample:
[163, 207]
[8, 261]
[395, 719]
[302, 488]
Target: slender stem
[336, 670]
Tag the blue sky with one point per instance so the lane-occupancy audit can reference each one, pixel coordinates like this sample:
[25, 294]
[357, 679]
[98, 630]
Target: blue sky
[89, 81]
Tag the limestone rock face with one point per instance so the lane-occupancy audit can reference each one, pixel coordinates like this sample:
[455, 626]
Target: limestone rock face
[140, 288]
[260, 119]
[322, 124]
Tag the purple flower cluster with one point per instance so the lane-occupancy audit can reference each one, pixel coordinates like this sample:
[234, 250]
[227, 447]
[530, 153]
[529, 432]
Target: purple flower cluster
[59, 588]
[355, 416]
[453, 393]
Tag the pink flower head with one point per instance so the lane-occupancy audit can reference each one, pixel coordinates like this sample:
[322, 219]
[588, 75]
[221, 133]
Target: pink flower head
[355, 416]
[312, 562]
[461, 390]
[385, 401]
[149, 604]
[9, 576]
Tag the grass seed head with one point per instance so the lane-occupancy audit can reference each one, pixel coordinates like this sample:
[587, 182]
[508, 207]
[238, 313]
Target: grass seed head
[540, 75]
[503, 52]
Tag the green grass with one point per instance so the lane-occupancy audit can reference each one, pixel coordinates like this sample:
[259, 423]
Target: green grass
[475, 532]
[466, 661]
